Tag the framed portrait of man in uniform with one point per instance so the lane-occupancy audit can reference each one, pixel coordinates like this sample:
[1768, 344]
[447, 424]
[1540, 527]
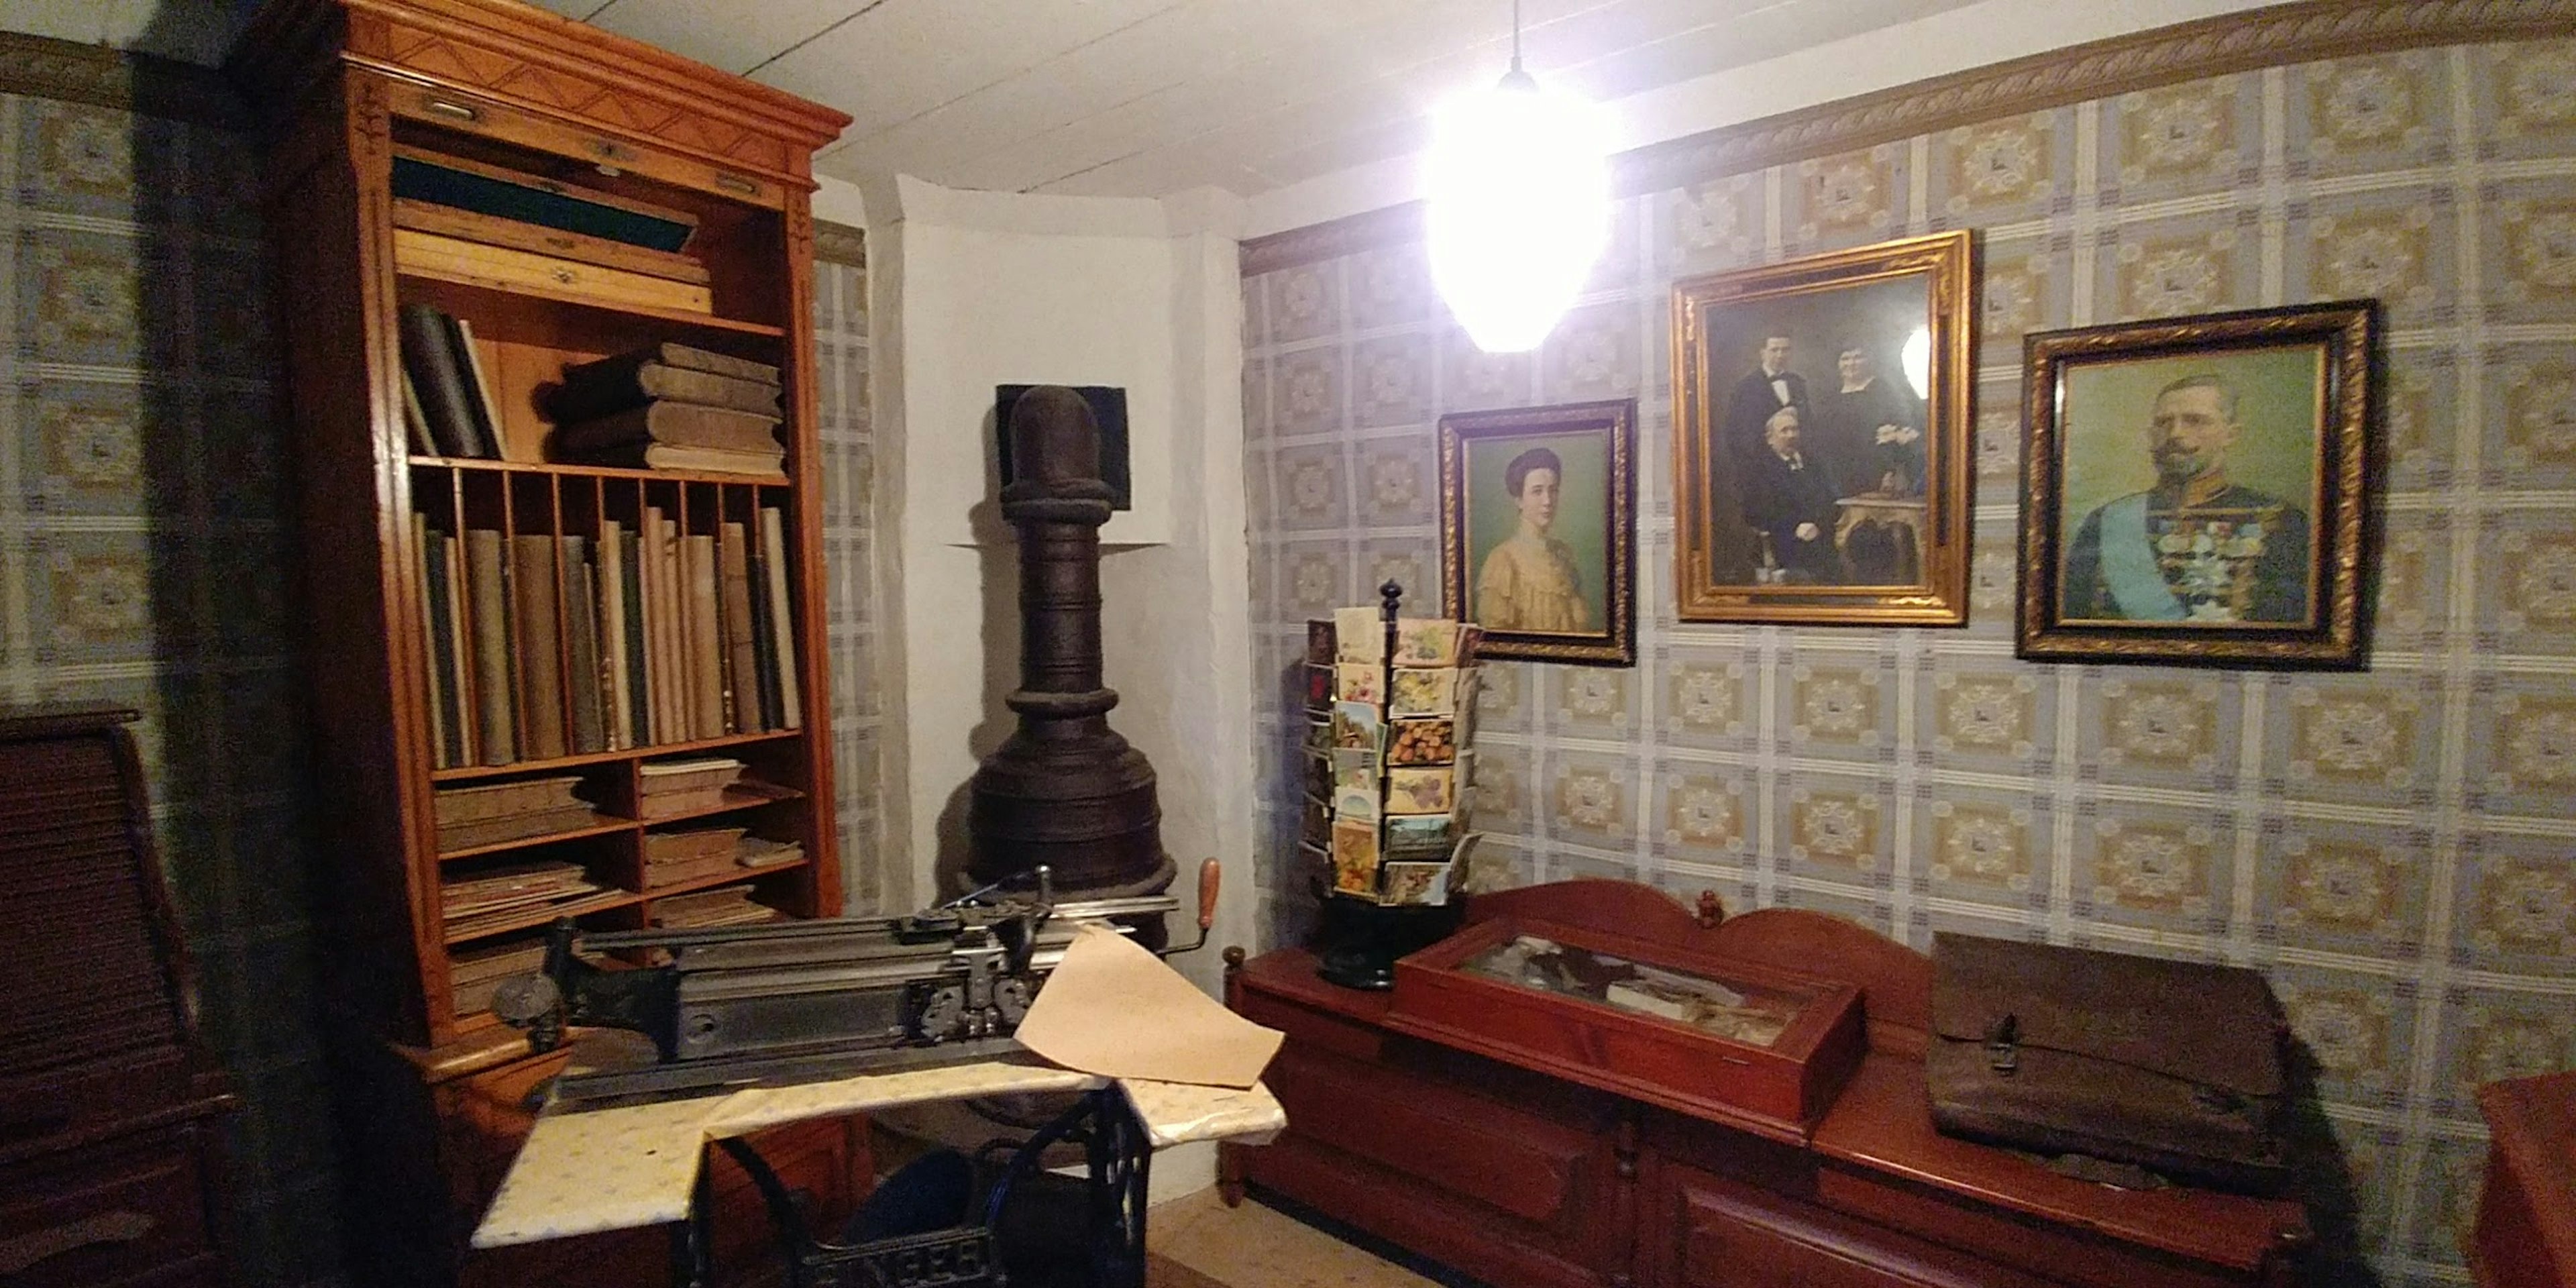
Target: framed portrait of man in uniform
[1537, 530]
[2195, 488]
[1820, 412]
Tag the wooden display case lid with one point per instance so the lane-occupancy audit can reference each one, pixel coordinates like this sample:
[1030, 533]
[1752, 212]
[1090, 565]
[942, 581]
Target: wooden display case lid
[1668, 1025]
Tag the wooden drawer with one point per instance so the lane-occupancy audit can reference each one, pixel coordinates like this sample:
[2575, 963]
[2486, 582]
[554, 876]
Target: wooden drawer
[1701, 1230]
[131, 1209]
[1526, 1166]
[451, 109]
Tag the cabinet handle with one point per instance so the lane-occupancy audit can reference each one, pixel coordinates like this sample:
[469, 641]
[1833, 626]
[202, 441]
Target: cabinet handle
[107, 1227]
[736, 183]
[458, 111]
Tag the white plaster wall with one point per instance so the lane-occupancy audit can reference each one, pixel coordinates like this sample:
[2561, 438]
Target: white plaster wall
[971, 290]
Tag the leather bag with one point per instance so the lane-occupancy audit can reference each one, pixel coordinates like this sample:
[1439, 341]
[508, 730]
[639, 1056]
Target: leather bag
[2172, 1066]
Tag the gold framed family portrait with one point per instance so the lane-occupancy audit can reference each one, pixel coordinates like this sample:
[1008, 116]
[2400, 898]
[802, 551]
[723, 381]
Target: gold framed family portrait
[1820, 437]
[1538, 530]
[2194, 489]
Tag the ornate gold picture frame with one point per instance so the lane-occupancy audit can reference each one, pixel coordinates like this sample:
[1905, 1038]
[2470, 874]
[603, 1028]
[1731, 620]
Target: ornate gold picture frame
[2195, 489]
[1820, 437]
[1538, 530]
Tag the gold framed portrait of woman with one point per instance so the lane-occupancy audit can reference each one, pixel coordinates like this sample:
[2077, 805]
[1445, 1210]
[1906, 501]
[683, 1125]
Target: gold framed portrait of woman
[1537, 530]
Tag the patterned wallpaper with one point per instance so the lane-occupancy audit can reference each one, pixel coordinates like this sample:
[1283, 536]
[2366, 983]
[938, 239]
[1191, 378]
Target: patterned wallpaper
[144, 560]
[856, 612]
[2392, 848]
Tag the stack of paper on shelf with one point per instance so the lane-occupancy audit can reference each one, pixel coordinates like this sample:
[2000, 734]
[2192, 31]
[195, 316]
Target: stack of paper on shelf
[723, 906]
[674, 857]
[474, 972]
[671, 407]
[497, 897]
[492, 813]
[760, 852]
[686, 786]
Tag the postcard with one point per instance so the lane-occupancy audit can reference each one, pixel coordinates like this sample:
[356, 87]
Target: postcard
[1358, 803]
[1356, 727]
[1319, 642]
[1420, 791]
[1359, 635]
[1360, 682]
[1319, 734]
[1355, 769]
[1319, 688]
[1319, 777]
[1416, 883]
[1315, 825]
[1426, 641]
[1432, 741]
[1355, 858]
[1420, 838]
[1427, 692]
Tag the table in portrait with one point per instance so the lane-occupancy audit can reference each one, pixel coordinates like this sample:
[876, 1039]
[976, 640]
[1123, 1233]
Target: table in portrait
[1537, 530]
[2195, 488]
[1820, 437]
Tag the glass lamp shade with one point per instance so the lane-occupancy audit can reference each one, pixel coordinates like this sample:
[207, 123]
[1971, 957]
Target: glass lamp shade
[1519, 207]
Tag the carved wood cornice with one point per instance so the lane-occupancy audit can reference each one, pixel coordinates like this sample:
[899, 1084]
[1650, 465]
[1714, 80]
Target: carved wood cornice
[43, 67]
[527, 58]
[2277, 36]
[840, 244]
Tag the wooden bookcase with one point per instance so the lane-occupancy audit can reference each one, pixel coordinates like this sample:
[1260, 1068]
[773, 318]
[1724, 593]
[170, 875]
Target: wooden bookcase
[342, 85]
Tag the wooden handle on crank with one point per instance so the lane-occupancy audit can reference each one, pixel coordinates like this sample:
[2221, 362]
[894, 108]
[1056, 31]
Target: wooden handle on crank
[1208, 873]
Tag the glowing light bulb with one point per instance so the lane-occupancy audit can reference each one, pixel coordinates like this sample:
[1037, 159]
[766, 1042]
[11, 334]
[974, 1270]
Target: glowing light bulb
[1519, 208]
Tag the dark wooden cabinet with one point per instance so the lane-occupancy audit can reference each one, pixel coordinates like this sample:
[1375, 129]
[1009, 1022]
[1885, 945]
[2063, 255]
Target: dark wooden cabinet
[108, 1101]
[432, 1088]
[1519, 1178]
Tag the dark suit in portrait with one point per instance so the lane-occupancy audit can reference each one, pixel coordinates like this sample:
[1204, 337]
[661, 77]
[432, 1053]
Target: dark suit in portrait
[1780, 495]
[1751, 404]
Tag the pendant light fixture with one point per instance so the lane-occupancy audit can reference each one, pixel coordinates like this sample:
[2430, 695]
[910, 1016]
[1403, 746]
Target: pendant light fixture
[1519, 205]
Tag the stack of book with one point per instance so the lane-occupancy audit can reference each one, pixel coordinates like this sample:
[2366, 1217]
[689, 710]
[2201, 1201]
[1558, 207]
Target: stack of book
[672, 787]
[541, 646]
[723, 906]
[450, 405]
[671, 407]
[671, 858]
[475, 972]
[502, 897]
[492, 813]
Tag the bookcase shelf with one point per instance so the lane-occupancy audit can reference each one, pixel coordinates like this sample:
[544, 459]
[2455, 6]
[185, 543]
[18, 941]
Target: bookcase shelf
[673, 323]
[769, 795]
[468, 773]
[610, 827]
[695, 884]
[546, 916]
[607, 472]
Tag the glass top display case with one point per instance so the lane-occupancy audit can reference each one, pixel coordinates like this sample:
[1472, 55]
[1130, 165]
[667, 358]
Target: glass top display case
[1715, 1037]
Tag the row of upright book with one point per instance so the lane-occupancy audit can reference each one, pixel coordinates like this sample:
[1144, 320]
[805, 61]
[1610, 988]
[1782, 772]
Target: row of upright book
[549, 645]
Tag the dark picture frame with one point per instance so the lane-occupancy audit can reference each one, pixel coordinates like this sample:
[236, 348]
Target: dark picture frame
[2196, 489]
[1549, 573]
[1819, 476]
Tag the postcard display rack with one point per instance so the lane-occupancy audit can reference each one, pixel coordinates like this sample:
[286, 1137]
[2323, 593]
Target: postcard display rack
[546, 320]
[1390, 704]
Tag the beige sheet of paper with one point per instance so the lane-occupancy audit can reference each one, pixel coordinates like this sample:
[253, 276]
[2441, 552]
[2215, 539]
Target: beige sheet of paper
[1114, 1009]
